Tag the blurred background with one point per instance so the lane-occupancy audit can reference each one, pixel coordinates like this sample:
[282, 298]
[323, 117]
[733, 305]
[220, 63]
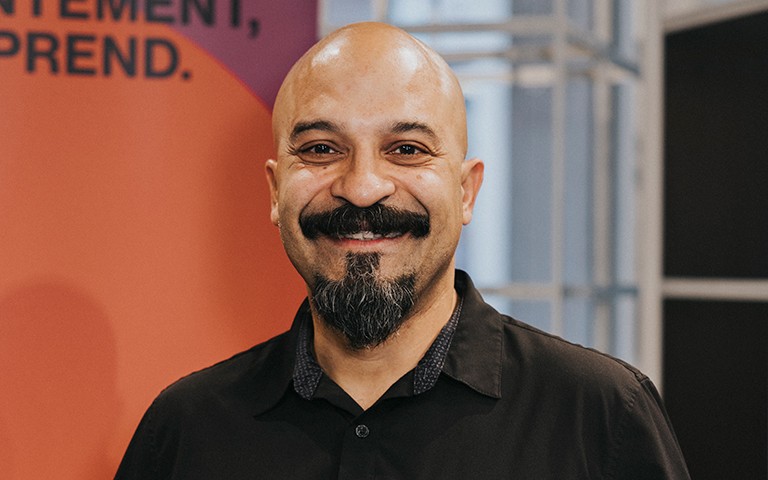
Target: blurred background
[624, 208]
[625, 205]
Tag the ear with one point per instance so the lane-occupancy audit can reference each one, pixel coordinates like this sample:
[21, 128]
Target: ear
[471, 179]
[270, 169]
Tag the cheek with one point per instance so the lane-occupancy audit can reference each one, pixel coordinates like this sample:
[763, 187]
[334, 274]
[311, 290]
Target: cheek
[300, 189]
[439, 192]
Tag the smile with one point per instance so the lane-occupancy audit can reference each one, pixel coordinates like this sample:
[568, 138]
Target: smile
[368, 235]
[377, 222]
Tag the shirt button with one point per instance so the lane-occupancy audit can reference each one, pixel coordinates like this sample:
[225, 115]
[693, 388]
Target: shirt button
[362, 431]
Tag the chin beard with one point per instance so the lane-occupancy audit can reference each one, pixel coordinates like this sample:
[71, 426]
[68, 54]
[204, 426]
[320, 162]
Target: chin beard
[365, 308]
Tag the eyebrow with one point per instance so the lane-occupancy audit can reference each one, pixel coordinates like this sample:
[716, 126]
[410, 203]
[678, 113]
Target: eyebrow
[404, 127]
[323, 125]
[328, 126]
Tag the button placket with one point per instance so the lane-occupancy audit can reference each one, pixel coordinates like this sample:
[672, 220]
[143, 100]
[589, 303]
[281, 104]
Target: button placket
[362, 431]
[360, 449]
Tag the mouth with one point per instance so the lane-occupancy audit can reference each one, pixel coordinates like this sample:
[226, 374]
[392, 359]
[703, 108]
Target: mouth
[367, 235]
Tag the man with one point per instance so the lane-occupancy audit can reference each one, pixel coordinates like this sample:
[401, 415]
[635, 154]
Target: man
[394, 367]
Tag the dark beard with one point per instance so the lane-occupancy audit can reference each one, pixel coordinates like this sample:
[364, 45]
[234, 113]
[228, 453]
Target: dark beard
[365, 309]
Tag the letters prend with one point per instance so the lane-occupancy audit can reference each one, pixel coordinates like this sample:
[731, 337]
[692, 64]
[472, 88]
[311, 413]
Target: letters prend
[78, 53]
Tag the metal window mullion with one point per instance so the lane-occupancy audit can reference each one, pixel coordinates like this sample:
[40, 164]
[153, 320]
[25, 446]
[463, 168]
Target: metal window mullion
[525, 25]
[601, 212]
[523, 291]
[601, 189]
[650, 213]
[697, 14]
[559, 58]
[381, 10]
[730, 289]
[603, 17]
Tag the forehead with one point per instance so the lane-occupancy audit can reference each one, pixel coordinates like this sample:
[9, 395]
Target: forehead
[380, 97]
[371, 77]
[371, 103]
[367, 67]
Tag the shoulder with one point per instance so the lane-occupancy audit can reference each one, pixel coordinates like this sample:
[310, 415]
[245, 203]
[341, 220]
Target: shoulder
[536, 356]
[500, 355]
[611, 409]
[185, 417]
[541, 350]
[245, 377]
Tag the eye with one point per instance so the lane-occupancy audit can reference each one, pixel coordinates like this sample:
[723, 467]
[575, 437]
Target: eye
[319, 149]
[321, 153]
[407, 149]
[412, 154]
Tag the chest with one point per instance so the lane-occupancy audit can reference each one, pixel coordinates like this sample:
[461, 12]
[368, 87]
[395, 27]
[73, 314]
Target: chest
[440, 434]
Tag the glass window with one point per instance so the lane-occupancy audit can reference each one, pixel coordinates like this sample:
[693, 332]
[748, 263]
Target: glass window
[549, 88]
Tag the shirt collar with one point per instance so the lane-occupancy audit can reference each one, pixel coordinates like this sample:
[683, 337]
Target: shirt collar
[475, 356]
[431, 364]
[307, 372]
[269, 376]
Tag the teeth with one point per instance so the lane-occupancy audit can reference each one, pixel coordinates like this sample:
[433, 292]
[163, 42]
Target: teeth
[368, 235]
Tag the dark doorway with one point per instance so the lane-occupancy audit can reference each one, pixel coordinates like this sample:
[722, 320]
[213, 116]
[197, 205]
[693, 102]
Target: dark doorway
[716, 227]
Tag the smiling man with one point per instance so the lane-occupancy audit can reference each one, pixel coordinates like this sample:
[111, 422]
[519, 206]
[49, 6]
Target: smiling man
[394, 368]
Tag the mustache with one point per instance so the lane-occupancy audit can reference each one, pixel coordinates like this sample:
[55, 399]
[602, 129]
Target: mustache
[349, 219]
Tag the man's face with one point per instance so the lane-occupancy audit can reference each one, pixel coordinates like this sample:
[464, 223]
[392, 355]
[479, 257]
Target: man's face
[372, 133]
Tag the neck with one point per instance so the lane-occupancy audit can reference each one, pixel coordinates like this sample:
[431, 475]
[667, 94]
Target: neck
[366, 374]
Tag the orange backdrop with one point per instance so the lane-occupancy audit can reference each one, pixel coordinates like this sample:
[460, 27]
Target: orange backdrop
[135, 243]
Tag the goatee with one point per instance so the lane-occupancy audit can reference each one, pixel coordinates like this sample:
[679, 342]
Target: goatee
[365, 308]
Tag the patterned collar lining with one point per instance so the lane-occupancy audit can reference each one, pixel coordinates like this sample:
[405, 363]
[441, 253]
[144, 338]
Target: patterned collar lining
[307, 372]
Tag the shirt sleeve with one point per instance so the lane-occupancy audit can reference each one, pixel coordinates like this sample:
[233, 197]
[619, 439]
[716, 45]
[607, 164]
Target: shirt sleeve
[140, 461]
[647, 448]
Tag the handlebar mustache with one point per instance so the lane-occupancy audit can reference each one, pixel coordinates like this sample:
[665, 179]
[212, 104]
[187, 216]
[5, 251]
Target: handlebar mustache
[348, 219]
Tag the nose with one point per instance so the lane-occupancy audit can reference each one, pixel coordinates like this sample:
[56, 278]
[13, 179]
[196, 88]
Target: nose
[363, 181]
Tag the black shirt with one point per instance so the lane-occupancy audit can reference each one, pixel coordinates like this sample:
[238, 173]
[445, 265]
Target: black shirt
[509, 401]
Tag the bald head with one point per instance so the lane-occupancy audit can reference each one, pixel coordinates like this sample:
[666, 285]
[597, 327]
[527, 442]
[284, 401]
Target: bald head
[370, 56]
